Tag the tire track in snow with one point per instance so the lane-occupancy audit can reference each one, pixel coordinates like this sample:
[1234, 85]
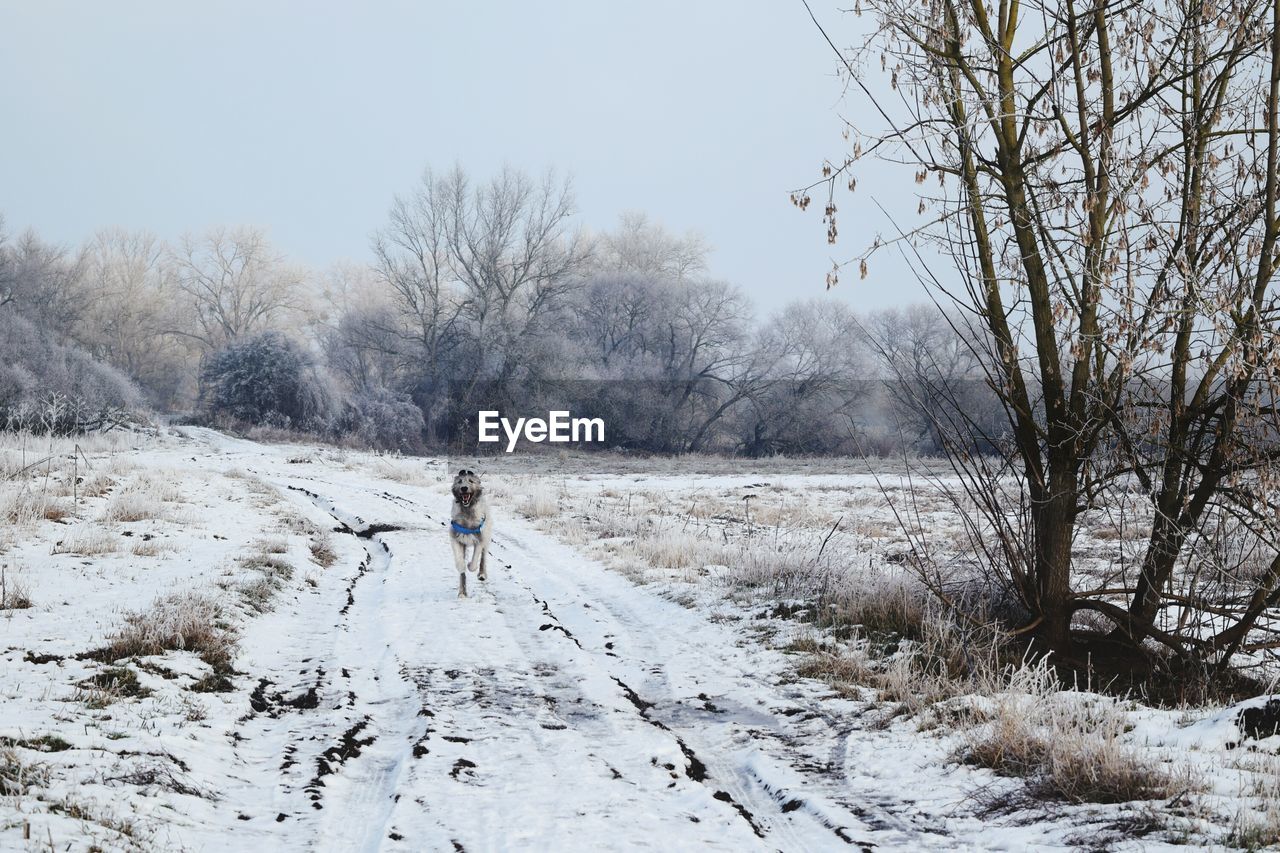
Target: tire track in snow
[780, 802]
[365, 760]
[695, 769]
[782, 809]
[463, 767]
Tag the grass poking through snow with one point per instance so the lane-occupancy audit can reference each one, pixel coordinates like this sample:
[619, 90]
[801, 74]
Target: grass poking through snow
[192, 622]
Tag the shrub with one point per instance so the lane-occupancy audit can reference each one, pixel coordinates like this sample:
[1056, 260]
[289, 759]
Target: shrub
[267, 380]
[385, 420]
[47, 386]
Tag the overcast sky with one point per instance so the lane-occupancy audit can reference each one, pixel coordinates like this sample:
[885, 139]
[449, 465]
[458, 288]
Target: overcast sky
[307, 118]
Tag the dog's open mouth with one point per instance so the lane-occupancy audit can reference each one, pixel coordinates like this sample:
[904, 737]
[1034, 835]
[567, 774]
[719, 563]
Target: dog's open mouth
[465, 497]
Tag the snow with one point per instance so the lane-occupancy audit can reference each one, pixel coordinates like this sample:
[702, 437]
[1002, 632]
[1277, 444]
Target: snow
[561, 707]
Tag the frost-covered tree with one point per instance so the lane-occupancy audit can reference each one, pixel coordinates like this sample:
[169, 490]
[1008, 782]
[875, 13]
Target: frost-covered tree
[670, 351]
[385, 420]
[128, 309]
[813, 396]
[43, 282]
[640, 247]
[479, 274]
[936, 390]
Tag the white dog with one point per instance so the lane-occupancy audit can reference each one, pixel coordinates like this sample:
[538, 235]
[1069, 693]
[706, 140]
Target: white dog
[471, 526]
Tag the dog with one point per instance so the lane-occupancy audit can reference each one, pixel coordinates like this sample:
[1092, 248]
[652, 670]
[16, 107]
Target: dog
[471, 525]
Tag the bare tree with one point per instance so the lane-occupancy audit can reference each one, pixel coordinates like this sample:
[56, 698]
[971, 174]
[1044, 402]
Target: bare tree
[480, 275]
[6, 267]
[414, 259]
[1107, 184]
[127, 309]
[706, 356]
[43, 282]
[234, 284]
[615, 318]
[816, 372]
[360, 329]
[933, 369]
[513, 253]
[644, 248]
[678, 345]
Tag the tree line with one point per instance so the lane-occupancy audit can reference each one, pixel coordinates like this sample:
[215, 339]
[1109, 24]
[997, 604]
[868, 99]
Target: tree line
[481, 295]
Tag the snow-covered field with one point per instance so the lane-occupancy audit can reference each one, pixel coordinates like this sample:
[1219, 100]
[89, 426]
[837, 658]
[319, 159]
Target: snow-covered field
[212, 644]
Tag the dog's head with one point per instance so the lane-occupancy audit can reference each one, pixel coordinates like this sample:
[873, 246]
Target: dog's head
[466, 487]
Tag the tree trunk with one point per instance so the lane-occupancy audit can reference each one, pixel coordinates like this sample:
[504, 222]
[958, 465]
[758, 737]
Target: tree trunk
[1054, 521]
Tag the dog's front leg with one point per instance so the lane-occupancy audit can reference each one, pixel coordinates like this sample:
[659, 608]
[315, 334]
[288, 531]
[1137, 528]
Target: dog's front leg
[459, 560]
[483, 549]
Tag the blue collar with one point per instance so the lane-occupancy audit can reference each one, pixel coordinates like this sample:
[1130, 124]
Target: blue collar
[458, 528]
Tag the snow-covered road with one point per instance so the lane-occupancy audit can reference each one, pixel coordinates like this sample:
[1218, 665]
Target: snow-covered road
[560, 707]
[362, 706]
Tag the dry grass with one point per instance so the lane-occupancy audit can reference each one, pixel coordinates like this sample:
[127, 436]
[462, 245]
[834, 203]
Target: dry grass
[88, 540]
[677, 549]
[13, 591]
[23, 506]
[915, 659]
[788, 513]
[38, 445]
[882, 605]
[181, 621]
[132, 504]
[258, 593]
[274, 571]
[408, 471]
[320, 543]
[1256, 825]
[322, 552]
[45, 478]
[251, 483]
[125, 833]
[541, 502]
[110, 686]
[163, 485]
[18, 776]
[846, 673]
[270, 564]
[1254, 831]
[95, 486]
[1067, 747]
[273, 545]
[151, 547]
